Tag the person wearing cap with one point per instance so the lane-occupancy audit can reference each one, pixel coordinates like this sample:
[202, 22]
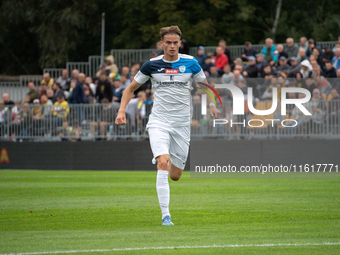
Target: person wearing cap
[36, 110]
[251, 71]
[248, 51]
[282, 65]
[102, 68]
[295, 67]
[60, 109]
[201, 56]
[118, 90]
[260, 62]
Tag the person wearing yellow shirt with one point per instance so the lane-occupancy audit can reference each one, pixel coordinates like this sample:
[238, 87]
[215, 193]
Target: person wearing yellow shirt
[47, 80]
[60, 109]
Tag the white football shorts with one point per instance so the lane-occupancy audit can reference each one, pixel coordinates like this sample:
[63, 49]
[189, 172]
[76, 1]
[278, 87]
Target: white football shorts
[174, 141]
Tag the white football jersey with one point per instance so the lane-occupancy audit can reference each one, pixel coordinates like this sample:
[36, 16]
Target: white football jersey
[171, 84]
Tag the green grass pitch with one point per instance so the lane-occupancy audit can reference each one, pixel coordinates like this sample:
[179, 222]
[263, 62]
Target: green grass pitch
[107, 212]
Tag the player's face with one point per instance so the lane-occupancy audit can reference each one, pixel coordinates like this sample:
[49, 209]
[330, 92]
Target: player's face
[171, 44]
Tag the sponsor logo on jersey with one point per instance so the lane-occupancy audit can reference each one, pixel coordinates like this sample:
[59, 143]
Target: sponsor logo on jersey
[182, 69]
[171, 71]
[160, 70]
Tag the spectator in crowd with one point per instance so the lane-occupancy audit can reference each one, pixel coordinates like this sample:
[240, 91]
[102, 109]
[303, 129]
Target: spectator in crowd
[222, 43]
[306, 69]
[260, 62]
[34, 94]
[269, 52]
[75, 74]
[36, 109]
[42, 90]
[104, 89]
[320, 81]
[89, 96]
[333, 107]
[159, 49]
[295, 67]
[78, 96]
[311, 46]
[228, 76]
[126, 71]
[282, 65]
[200, 55]
[92, 86]
[118, 90]
[46, 104]
[336, 84]
[135, 68]
[125, 81]
[110, 64]
[251, 71]
[299, 116]
[57, 89]
[282, 53]
[329, 71]
[184, 48]
[47, 80]
[214, 72]
[237, 77]
[309, 84]
[60, 110]
[302, 55]
[336, 59]
[64, 80]
[327, 54]
[27, 100]
[292, 48]
[102, 68]
[221, 60]
[6, 99]
[318, 57]
[5, 117]
[248, 51]
[337, 45]
[207, 64]
[304, 43]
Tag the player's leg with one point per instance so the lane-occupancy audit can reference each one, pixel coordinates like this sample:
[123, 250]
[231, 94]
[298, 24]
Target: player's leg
[160, 142]
[179, 149]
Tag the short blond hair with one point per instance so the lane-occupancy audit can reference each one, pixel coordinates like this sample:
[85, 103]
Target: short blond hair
[170, 30]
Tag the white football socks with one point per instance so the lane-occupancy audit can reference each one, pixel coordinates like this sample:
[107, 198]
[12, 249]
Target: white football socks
[163, 191]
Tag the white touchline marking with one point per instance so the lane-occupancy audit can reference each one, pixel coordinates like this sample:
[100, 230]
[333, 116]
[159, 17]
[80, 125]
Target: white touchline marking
[174, 247]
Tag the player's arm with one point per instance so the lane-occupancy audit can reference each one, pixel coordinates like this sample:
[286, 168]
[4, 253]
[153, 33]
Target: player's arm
[214, 112]
[127, 95]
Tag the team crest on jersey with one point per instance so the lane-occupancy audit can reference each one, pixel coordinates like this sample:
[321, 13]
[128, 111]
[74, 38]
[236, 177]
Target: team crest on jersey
[182, 69]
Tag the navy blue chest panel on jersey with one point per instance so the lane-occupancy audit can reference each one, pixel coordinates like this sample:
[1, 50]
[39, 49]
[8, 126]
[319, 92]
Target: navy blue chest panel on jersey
[179, 67]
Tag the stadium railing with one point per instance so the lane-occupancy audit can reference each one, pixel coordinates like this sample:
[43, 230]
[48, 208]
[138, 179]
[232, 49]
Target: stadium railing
[96, 121]
[54, 72]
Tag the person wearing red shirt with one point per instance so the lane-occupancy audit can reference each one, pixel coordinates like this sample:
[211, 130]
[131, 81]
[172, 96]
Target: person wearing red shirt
[221, 60]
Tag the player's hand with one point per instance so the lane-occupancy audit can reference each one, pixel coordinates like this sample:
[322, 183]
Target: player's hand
[214, 112]
[121, 118]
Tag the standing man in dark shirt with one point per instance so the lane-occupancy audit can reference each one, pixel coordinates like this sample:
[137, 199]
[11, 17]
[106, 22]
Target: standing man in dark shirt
[104, 89]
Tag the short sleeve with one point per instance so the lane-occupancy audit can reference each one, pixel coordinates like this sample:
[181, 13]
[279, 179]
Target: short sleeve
[144, 73]
[197, 71]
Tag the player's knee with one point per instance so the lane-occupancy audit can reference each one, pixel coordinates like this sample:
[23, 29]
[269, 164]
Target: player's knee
[162, 164]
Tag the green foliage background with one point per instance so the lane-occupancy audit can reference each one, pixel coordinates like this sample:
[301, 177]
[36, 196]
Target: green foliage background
[47, 33]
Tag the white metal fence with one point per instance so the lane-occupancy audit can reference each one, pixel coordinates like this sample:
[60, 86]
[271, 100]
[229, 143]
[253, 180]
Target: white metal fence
[96, 121]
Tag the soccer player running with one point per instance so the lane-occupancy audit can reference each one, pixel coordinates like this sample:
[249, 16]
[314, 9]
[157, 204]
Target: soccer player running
[171, 75]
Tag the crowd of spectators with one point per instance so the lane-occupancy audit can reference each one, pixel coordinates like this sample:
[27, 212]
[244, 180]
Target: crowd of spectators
[308, 65]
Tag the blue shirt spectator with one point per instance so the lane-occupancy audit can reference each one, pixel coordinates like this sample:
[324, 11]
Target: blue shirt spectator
[201, 56]
[269, 51]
